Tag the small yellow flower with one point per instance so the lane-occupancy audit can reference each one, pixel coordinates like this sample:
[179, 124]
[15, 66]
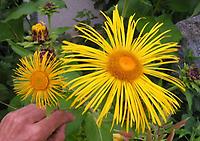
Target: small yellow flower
[39, 32]
[118, 73]
[39, 78]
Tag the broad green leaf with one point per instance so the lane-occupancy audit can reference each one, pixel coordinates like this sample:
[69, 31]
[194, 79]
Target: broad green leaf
[24, 9]
[12, 30]
[189, 98]
[71, 75]
[50, 109]
[190, 123]
[3, 4]
[30, 7]
[196, 10]
[15, 103]
[5, 71]
[181, 5]
[60, 3]
[197, 139]
[105, 131]
[178, 5]
[18, 49]
[3, 113]
[58, 31]
[174, 34]
[196, 104]
[92, 131]
[4, 92]
[140, 7]
[27, 44]
[65, 104]
[195, 86]
[75, 126]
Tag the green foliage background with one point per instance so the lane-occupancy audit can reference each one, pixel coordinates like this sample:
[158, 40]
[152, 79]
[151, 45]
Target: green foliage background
[13, 45]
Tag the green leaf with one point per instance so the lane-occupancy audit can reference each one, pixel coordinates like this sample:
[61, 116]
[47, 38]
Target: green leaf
[27, 44]
[195, 86]
[189, 98]
[182, 132]
[60, 3]
[140, 7]
[15, 103]
[196, 10]
[174, 34]
[190, 123]
[50, 109]
[3, 113]
[71, 75]
[196, 104]
[105, 131]
[75, 126]
[12, 30]
[91, 130]
[30, 7]
[18, 49]
[58, 31]
[197, 139]
[178, 5]
[24, 9]
[5, 71]
[4, 92]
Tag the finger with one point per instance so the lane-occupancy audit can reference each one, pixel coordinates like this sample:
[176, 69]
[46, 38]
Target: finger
[59, 134]
[49, 124]
[31, 113]
[25, 109]
[27, 114]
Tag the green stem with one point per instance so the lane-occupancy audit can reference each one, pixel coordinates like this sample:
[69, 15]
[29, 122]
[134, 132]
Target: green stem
[8, 105]
[49, 22]
[125, 4]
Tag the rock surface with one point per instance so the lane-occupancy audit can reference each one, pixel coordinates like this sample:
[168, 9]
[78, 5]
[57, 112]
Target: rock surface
[190, 29]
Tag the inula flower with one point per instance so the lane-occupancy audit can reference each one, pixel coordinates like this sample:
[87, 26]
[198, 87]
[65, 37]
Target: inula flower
[119, 73]
[40, 32]
[40, 79]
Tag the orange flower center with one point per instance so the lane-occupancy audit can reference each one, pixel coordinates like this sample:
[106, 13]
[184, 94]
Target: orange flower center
[39, 80]
[124, 65]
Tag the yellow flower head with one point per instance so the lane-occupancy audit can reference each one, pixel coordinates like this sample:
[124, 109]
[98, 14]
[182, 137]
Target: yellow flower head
[39, 32]
[39, 77]
[118, 73]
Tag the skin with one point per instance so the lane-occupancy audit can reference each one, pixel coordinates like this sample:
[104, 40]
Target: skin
[31, 124]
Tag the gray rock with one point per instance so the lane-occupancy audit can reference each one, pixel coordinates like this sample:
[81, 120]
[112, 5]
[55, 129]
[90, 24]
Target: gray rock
[190, 29]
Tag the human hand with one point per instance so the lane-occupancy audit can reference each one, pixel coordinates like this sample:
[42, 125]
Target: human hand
[31, 124]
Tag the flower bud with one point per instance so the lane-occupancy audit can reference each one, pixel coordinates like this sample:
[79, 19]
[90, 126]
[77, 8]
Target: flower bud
[40, 32]
[49, 8]
[194, 73]
[50, 53]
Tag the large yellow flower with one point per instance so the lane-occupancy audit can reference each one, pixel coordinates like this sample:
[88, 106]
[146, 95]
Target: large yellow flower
[118, 73]
[39, 77]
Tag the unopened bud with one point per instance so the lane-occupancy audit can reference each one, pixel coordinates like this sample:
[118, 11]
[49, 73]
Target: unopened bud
[50, 53]
[40, 32]
[194, 73]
